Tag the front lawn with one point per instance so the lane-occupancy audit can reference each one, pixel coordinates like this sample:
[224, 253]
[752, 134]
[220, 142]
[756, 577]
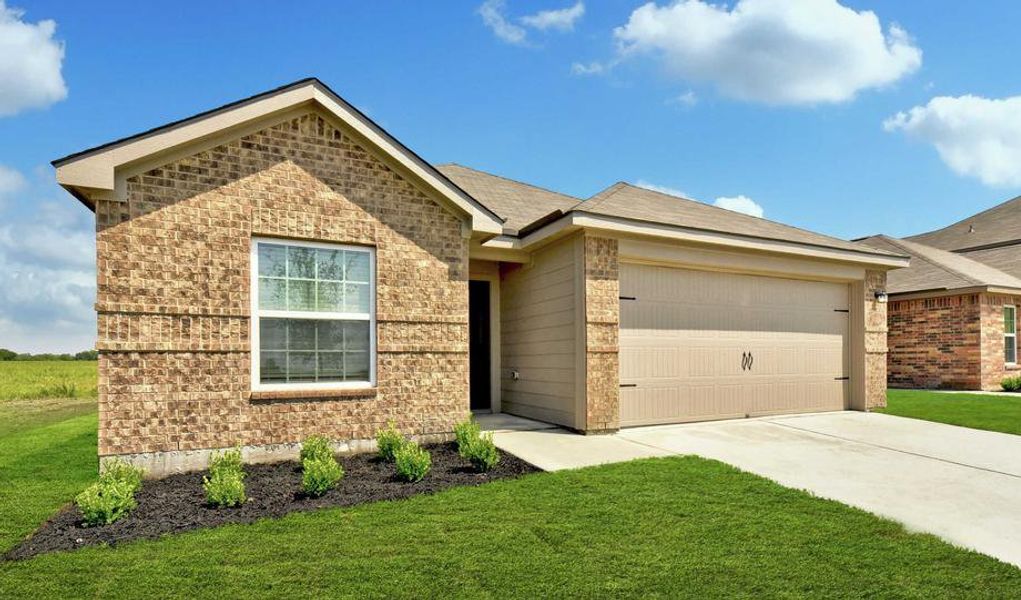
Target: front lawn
[21, 379]
[661, 527]
[993, 413]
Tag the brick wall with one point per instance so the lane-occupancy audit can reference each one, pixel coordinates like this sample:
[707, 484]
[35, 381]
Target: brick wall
[173, 294]
[994, 368]
[935, 342]
[602, 325]
[875, 340]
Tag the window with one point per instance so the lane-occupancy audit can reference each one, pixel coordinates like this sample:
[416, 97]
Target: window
[1010, 335]
[313, 315]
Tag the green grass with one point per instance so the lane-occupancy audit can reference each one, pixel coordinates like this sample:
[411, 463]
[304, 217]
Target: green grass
[660, 527]
[993, 413]
[47, 379]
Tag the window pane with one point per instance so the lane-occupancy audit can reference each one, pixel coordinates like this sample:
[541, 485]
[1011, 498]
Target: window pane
[301, 262]
[1009, 349]
[1009, 323]
[331, 297]
[331, 335]
[302, 334]
[272, 293]
[273, 334]
[356, 336]
[272, 367]
[356, 298]
[331, 264]
[301, 366]
[301, 295]
[356, 366]
[272, 260]
[357, 266]
[331, 366]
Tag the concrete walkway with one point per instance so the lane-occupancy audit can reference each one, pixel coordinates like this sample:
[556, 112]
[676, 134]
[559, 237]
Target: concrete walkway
[961, 484]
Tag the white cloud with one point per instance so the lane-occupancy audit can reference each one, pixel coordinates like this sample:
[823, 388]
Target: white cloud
[592, 68]
[492, 12]
[562, 19]
[975, 136]
[741, 204]
[687, 99]
[30, 63]
[661, 189]
[772, 51]
[11, 182]
[47, 255]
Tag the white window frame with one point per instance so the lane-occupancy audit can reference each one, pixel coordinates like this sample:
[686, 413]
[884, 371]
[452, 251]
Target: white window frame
[1012, 336]
[257, 313]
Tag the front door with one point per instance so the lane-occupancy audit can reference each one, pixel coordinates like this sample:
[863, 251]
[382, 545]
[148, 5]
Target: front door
[479, 344]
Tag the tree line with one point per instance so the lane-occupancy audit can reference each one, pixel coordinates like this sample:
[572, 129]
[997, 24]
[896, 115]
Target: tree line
[6, 354]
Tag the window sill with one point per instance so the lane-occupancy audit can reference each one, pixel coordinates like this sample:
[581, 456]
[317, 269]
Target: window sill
[265, 396]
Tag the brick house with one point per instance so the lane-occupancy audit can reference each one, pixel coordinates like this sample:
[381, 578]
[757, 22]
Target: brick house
[282, 266]
[952, 319]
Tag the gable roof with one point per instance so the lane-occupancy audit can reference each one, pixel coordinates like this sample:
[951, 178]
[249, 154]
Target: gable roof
[94, 170]
[628, 201]
[519, 204]
[932, 269]
[999, 225]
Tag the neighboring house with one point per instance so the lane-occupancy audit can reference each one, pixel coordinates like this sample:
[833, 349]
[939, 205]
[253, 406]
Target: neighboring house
[992, 237]
[281, 267]
[952, 320]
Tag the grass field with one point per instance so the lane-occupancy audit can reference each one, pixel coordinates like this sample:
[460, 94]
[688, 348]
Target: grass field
[677, 527]
[47, 379]
[993, 413]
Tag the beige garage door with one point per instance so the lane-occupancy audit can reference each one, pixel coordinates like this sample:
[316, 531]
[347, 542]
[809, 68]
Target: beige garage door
[699, 345]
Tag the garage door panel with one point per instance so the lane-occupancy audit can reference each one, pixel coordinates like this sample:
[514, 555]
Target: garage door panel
[686, 337]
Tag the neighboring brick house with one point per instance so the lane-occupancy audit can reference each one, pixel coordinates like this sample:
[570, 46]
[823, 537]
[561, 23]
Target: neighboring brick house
[952, 320]
[282, 266]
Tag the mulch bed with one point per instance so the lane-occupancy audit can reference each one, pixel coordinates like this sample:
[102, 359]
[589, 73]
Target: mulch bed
[177, 503]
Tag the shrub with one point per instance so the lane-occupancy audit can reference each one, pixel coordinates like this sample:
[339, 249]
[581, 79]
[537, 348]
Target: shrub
[316, 447]
[482, 453]
[1011, 384]
[225, 485]
[465, 432]
[389, 441]
[122, 471]
[413, 462]
[106, 500]
[320, 475]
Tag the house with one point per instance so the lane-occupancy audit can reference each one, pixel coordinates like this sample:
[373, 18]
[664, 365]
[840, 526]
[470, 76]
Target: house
[952, 315]
[282, 266]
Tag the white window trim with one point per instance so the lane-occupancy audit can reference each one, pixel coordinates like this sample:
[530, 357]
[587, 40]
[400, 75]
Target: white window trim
[257, 385]
[1013, 336]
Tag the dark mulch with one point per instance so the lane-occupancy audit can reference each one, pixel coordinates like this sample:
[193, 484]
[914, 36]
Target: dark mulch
[177, 503]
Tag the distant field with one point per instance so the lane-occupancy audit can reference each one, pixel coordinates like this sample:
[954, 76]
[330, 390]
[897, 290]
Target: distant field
[47, 379]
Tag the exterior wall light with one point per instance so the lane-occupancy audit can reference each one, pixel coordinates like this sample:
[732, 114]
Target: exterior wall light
[882, 297]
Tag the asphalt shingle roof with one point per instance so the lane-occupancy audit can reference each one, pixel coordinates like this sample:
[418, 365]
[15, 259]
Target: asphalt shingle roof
[998, 225]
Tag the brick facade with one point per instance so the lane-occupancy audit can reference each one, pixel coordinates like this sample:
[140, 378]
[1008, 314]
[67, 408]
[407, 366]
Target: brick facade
[173, 294]
[948, 342]
[602, 327]
[875, 340]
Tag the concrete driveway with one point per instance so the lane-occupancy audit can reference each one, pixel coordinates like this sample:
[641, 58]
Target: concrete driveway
[963, 485]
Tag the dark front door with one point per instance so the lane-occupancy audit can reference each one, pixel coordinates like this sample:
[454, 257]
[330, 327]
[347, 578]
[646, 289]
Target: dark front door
[478, 344]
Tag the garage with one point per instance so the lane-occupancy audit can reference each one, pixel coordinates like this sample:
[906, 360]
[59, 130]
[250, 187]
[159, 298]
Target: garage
[699, 345]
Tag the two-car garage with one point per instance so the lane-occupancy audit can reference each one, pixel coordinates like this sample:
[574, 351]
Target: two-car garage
[700, 345]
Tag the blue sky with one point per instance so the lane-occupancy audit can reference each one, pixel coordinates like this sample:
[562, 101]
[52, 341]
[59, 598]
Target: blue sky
[783, 103]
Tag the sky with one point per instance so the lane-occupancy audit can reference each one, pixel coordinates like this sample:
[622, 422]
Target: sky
[849, 118]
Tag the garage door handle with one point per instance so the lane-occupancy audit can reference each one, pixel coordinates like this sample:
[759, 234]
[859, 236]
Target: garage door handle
[751, 361]
[747, 360]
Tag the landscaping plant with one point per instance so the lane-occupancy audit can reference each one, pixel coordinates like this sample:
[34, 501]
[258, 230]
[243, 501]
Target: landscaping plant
[1011, 384]
[225, 485]
[473, 446]
[320, 475]
[389, 441]
[316, 447]
[113, 496]
[413, 462]
[465, 432]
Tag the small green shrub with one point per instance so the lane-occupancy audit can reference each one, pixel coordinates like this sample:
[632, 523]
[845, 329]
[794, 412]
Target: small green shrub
[106, 500]
[320, 475]
[481, 452]
[123, 471]
[225, 485]
[316, 447]
[389, 441]
[413, 462]
[1011, 384]
[465, 432]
